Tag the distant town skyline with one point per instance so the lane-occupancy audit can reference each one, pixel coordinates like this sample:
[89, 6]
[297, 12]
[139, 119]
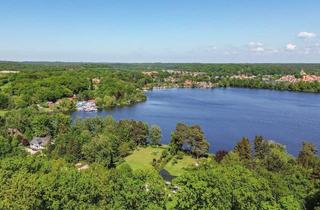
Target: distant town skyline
[207, 31]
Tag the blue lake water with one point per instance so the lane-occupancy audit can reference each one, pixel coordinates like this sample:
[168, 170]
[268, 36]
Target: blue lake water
[228, 114]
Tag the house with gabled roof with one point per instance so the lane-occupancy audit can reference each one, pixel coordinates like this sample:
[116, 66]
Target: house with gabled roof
[39, 143]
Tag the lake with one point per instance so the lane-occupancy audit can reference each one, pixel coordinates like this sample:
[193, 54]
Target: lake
[228, 114]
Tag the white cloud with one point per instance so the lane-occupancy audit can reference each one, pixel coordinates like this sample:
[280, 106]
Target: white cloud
[204, 49]
[256, 47]
[291, 46]
[255, 44]
[230, 52]
[306, 35]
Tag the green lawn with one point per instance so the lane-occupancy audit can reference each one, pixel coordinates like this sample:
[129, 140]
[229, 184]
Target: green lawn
[142, 157]
[3, 112]
[179, 168]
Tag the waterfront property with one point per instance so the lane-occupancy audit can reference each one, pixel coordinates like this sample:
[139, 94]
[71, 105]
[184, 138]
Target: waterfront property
[88, 106]
[304, 78]
[143, 157]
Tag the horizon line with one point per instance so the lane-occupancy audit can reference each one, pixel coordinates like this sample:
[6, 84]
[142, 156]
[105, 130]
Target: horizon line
[116, 62]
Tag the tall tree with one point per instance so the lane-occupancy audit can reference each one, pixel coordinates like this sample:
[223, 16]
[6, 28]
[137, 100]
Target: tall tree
[261, 147]
[132, 131]
[178, 137]
[220, 155]
[4, 101]
[189, 139]
[198, 143]
[102, 150]
[307, 155]
[243, 148]
[155, 135]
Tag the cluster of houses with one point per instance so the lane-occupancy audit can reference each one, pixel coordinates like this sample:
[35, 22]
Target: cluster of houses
[87, 106]
[175, 72]
[150, 73]
[309, 78]
[186, 73]
[243, 76]
[194, 84]
[288, 78]
[174, 83]
[304, 78]
[174, 80]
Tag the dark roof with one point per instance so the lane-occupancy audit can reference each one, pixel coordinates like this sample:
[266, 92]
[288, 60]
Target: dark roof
[166, 175]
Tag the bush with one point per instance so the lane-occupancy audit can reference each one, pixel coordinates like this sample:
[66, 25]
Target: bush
[164, 154]
[174, 161]
[179, 155]
[4, 101]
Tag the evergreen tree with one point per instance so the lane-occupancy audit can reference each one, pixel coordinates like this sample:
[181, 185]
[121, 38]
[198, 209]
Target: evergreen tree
[307, 155]
[4, 101]
[243, 148]
[261, 147]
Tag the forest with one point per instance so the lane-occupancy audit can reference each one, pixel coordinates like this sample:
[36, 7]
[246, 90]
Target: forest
[223, 69]
[108, 88]
[257, 174]
[102, 163]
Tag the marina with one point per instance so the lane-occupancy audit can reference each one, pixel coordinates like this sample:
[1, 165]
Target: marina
[87, 106]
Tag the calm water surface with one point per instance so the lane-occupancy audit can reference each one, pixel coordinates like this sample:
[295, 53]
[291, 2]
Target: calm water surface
[228, 114]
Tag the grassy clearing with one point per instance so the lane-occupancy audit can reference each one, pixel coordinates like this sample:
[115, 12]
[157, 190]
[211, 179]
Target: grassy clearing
[178, 168]
[143, 156]
[3, 112]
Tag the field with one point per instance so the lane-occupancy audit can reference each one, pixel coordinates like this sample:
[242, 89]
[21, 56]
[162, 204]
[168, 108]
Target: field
[3, 112]
[178, 168]
[142, 158]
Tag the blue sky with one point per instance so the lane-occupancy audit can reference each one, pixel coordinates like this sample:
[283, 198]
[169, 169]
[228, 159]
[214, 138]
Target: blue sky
[160, 30]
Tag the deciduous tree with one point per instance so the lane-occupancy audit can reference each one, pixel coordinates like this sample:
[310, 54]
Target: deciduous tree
[155, 135]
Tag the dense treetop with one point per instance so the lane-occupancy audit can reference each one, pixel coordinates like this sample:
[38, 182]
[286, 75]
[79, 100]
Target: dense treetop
[215, 68]
[257, 174]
